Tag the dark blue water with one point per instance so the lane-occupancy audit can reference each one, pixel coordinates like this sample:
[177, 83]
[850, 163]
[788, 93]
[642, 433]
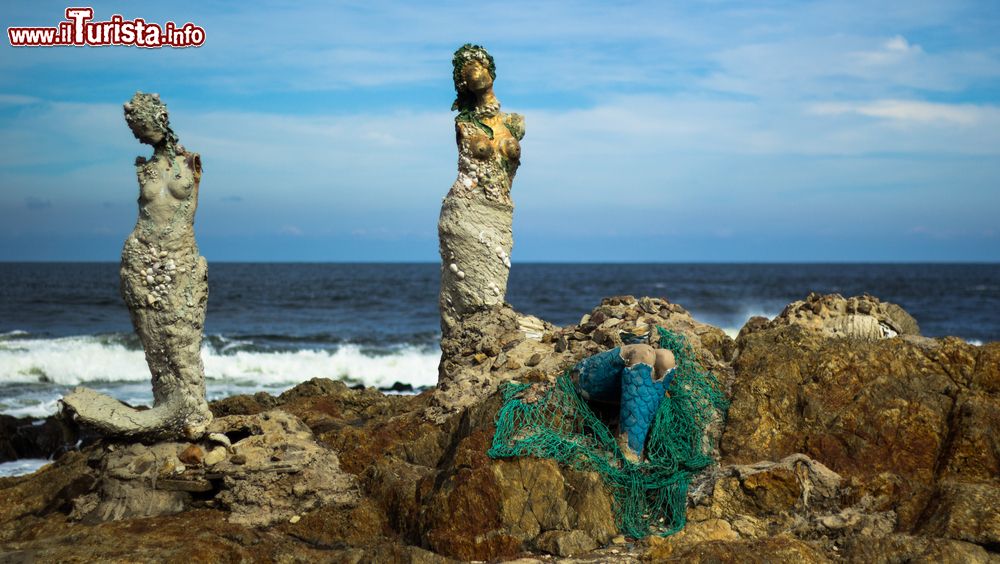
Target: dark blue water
[293, 306]
[271, 326]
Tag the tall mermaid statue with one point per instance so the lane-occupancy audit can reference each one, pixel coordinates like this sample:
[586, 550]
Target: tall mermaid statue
[474, 229]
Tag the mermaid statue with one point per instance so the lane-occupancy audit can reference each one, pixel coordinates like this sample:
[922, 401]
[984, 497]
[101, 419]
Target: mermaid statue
[164, 282]
[637, 376]
[474, 228]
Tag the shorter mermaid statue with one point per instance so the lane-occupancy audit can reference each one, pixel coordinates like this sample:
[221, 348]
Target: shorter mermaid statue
[164, 282]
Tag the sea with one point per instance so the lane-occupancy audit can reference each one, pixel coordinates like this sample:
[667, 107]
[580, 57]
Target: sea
[271, 326]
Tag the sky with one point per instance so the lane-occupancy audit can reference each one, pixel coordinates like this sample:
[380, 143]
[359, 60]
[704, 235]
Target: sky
[655, 131]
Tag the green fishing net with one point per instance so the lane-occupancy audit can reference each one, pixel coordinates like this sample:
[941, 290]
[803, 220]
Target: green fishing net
[650, 497]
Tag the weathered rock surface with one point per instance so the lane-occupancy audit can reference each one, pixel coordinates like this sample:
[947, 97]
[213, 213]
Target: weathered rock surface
[496, 346]
[910, 420]
[836, 449]
[261, 469]
[859, 317]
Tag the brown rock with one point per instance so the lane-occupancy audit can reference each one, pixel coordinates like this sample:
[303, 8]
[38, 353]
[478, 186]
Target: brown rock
[907, 548]
[589, 498]
[905, 425]
[753, 325]
[184, 485]
[26, 437]
[774, 549]
[862, 317]
[192, 455]
[490, 346]
[398, 488]
[767, 489]
[243, 404]
[335, 527]
[561, 343]
[986, 376]
[489, 509]
[967, 512]
[565, 543]
[880, 412]
[973, 453]
[694, 533]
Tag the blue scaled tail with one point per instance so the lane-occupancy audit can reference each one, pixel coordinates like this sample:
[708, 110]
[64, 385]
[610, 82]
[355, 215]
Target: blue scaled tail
[641, 397]
[597, 376]
[604, 377]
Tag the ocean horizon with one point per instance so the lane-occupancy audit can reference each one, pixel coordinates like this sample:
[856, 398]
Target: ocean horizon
[273, 325]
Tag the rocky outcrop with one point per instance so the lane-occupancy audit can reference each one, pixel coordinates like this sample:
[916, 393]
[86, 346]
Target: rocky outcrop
[261, 468]
[835, 449]
[858, 317]
[482, 508]
[909, 423]
[483, 353]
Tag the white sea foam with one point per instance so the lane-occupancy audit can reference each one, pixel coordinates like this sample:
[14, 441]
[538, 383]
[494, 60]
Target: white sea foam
[975, 342]
[21, 467]
[77, 360]
[409, 365]
[30, 406]
[48, 367]
[734, 331]
[69, 361]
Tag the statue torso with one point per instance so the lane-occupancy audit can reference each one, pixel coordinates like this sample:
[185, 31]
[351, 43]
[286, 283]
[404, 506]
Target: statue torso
[168, 197]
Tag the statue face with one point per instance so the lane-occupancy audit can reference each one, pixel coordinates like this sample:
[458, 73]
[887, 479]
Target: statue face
[477, 77]
[146, 116]
[151, 133]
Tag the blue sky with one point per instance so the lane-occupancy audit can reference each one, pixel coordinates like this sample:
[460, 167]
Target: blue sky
[659, 131]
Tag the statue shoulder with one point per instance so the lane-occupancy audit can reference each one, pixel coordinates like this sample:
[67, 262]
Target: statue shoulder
[515, 124]
[191, 159]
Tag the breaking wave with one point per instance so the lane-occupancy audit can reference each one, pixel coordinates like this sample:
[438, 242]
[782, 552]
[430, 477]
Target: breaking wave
[34, 372]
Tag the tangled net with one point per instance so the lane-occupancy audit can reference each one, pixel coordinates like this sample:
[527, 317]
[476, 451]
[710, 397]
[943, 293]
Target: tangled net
[650, 496]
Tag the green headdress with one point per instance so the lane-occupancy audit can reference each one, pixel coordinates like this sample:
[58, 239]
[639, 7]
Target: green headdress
[466, 101]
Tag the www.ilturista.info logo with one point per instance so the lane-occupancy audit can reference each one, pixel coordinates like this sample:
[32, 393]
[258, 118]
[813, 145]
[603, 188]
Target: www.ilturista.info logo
[78, 30]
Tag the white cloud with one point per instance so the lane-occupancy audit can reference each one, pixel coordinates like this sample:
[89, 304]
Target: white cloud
[895, 51]
[915, 111]
[17, 100]
[901, 45]
[735, 115]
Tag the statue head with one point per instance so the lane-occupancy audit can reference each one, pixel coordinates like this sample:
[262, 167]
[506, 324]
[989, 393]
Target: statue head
[147, 117]
[474, 72]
